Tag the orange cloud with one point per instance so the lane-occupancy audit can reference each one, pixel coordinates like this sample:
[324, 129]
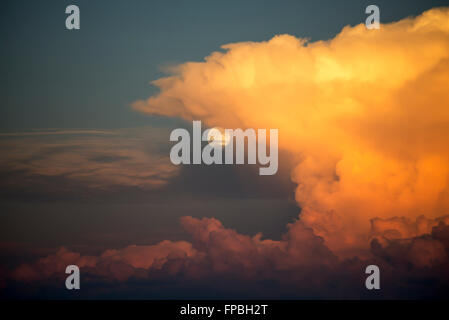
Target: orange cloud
[366, 113]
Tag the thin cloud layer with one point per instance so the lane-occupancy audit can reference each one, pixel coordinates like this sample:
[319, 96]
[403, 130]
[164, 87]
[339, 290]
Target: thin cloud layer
[92, 159]
[366, 113]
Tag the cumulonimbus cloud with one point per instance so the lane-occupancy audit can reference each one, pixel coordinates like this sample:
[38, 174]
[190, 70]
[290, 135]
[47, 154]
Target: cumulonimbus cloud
[366, 113]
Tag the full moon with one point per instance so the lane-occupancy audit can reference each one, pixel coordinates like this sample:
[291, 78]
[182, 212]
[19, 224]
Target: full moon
[218, 137]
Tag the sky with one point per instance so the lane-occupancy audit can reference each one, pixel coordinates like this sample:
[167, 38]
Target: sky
[85, 171]
[53, 78]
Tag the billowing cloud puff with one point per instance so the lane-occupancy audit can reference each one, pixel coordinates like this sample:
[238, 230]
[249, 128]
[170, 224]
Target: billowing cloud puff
[428, 250]
[366, 114]
[228, 250]
[404, 228]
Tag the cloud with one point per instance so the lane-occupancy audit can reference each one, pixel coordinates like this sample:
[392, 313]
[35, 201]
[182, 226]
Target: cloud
[298, 265]
[404, 228]
[365, 113]
[91, 159]
[56, 132]
[424, 251]
[215, 250]
[115, 264]
[228, 251]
